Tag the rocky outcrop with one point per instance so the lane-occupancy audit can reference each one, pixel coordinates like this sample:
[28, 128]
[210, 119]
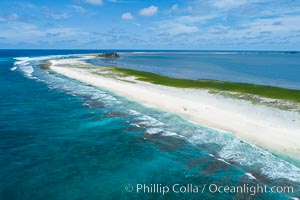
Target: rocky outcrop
[45, 65]
[109, 55]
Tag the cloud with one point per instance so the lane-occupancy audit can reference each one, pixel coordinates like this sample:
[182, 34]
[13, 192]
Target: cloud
[127, 16]
[52, 34]
[175, 28]
[254, 32]
[12, 17]
[64, 32]
[12, 32]
[59, 15]
[230, 4]
[149, 11]
[66, 41]
[79, 9]
[183, 24]
[122, 1]
[280, 25]
[174, 7]
[94, 2]
[54, 14]
[227, 3]
[36, 36]
[194, 19]
[24, 5]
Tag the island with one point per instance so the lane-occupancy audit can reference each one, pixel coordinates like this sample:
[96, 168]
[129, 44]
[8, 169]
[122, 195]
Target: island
[109, 55]
[202, 101]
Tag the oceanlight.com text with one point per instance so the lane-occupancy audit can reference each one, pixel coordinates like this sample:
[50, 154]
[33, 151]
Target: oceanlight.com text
[163, 189]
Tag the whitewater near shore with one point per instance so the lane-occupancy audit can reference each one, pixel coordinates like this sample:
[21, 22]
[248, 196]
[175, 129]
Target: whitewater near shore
[270, 128]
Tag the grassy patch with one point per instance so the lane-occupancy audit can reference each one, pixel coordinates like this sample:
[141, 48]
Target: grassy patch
[244, 88]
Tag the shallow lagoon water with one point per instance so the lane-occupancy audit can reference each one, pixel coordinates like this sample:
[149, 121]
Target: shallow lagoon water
[269, 68]
[61, 139]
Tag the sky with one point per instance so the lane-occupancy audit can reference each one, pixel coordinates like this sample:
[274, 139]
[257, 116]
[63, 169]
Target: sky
[157, 24]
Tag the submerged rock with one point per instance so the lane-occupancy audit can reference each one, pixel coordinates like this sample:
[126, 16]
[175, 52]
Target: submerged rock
[109, 55]
[45, 65]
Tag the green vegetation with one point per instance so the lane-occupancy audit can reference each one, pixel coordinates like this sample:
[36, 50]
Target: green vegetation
[243, 88]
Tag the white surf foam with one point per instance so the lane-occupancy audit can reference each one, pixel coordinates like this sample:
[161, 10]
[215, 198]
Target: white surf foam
[136, 125]
[149, 121]
[13, 68]
[153, 131]
[235, 150]
[250, 175]
[24, 65]
[294, 198]
[134, 112]
[27, 69]
[224, 161]
[168, 133]
[259, 159]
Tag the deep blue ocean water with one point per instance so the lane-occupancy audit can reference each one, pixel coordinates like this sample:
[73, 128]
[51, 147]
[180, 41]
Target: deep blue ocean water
[61, 139]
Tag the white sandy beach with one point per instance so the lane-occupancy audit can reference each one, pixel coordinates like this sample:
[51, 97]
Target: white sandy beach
[266, 127]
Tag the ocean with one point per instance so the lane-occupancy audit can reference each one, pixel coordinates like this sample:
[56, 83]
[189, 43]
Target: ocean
[61, 139]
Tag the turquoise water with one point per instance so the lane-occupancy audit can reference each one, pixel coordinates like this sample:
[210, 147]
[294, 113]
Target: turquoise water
[269, 68]
[61, 139]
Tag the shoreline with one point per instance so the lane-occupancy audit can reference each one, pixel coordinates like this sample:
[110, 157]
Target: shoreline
[260, 125]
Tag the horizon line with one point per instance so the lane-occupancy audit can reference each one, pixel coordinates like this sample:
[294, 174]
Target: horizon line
[108, 49]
